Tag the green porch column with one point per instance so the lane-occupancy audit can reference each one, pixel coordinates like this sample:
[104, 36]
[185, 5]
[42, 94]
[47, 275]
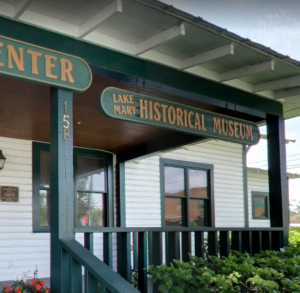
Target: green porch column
[278, 186]
[62, 185]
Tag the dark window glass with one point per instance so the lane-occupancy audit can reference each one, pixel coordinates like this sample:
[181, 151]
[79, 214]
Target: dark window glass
[174, 181]
[91, 187]
[90, 209]
[198, 183]
[260, 207]
[173, 211]
[197, 212]
[45, 170]
[44, 207]
[90, 174]
[187, 193]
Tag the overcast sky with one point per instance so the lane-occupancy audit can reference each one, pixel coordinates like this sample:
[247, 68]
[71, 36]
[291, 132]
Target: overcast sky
[272, 23]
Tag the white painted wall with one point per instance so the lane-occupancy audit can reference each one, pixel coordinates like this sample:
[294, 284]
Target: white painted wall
[18, 245]
[143, 206]
[23, 249]
[20, 248]
[257, 182]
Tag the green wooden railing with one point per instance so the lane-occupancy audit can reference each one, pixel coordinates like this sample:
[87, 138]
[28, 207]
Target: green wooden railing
[139, 247]
[95, 271]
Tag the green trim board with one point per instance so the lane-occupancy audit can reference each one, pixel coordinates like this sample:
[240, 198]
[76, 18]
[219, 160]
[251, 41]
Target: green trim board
[163, 76]
[38, 147]
[120, 194]
[33, 63]
[245, 186]
[134, 107]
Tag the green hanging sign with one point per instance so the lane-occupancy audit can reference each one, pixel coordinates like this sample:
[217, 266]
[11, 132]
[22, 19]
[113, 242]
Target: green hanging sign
[41, 65]
[133, 107]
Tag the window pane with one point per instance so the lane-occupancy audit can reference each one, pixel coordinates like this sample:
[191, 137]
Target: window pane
[198, 183]
[260, 207]
[44, 208]
[45, 169]
[174, 181]
[173, 211]
[91, 174]
[197, 212]
[90, 209]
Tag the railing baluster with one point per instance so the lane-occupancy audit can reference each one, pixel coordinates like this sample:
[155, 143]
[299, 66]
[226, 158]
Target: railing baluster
[91, 283]
[236, 241]
[247, 241]
[186, 245]
[65, 263]
[277, 240]
[124, 259]
[155, 252]
[199, 244]
[89, 244]
[224, 243]
[107, 254]
[172, 247]
[142, 262]
[107, 249]
[89, 241]
[213, 243]
[256, 242]
[135, 251]
[266, 240]
[75, 276]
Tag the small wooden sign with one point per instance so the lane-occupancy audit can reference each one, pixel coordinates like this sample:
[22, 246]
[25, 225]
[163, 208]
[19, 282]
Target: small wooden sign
[9, 193]
[41, 65]
[129, 106]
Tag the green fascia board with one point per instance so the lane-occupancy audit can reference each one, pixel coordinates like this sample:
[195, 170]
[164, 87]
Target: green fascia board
[133, 66]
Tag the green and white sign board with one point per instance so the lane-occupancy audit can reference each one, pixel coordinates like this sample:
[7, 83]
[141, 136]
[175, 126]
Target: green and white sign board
[41, 65]
[133, 107]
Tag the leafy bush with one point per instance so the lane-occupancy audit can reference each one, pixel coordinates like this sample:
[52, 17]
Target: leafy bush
[267, 271]
[294, 236]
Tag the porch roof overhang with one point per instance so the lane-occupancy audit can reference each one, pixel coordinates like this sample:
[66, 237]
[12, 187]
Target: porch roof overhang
[130, 44]
[151, 30]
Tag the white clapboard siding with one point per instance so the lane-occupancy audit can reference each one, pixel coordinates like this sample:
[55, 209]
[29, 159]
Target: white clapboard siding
[142, 183]
[257, 182]
[20, 249]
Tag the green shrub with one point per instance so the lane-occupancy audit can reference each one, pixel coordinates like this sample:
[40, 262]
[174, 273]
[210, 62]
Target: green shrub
[267, 271]
[294, 236]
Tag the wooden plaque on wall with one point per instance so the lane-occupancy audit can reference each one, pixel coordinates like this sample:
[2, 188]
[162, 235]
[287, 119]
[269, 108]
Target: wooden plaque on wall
[9, 193]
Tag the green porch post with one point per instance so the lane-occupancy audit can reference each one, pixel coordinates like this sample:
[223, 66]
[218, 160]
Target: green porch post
[278, 188]
[62, 185]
